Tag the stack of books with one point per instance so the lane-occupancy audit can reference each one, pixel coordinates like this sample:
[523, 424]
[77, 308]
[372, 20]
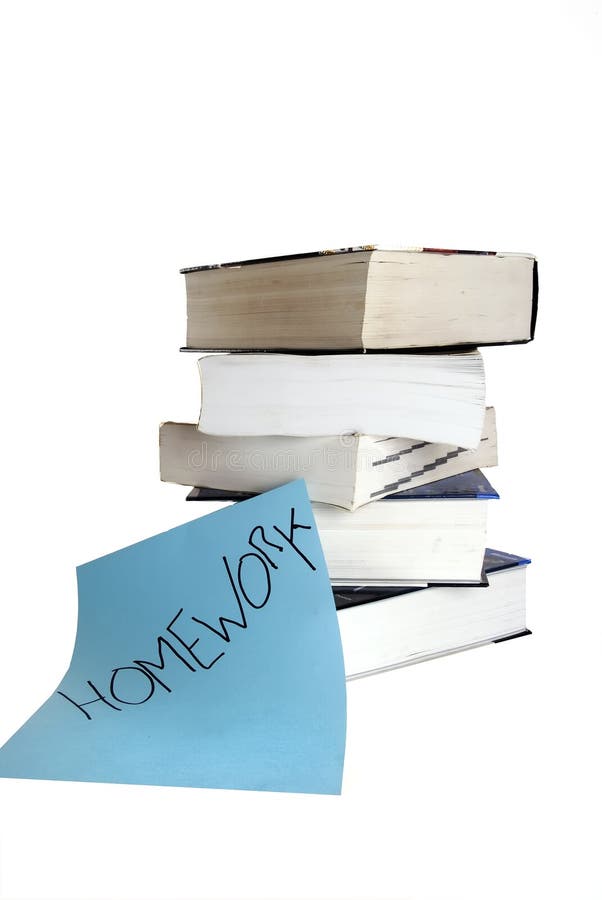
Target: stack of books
[358, 370]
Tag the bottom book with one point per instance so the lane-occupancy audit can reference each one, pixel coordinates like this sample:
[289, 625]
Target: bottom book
[423, 623]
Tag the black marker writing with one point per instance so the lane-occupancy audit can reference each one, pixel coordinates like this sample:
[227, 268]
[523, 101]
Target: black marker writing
[98, 697]
[251, 587]
[145, 663]
[289, 539]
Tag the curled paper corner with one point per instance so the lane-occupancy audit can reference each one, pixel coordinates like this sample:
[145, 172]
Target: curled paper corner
[206, 656]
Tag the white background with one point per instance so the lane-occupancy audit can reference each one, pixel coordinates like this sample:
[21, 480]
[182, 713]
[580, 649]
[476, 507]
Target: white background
[142, 137]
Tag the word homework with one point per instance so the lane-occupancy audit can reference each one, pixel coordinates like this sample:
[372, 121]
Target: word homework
[206, 656]
[246, 586]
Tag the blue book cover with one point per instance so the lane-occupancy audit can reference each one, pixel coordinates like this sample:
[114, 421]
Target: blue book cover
[465, 486]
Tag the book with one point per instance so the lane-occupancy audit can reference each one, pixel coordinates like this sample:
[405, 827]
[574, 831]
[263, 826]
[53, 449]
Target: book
[431, 534]
[345, 470]
[438, 398]
[363, 298]
[420, 624]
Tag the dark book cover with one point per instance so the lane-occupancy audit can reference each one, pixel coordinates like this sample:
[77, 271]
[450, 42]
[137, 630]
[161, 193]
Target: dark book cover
[494, 561]
[466, 486]
[363, 248]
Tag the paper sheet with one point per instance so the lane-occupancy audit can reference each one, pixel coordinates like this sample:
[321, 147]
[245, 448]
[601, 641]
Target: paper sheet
[207, 656]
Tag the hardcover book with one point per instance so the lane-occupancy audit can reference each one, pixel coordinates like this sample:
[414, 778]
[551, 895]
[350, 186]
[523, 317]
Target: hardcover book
[363, 298]
[420, 624]
[431, 534]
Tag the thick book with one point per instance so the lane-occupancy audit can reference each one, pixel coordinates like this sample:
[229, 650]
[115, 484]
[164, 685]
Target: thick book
[420, 624]
[345, 470]
[438, 397]
[431, 534]
[363, 298]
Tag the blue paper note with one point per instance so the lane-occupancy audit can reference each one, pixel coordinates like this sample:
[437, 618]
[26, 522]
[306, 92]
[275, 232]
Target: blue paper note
[207, 656]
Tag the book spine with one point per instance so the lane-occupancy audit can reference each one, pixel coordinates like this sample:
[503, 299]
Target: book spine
[535, 300]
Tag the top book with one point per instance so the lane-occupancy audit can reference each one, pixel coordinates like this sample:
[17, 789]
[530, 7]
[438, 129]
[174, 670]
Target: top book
[363, 298]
